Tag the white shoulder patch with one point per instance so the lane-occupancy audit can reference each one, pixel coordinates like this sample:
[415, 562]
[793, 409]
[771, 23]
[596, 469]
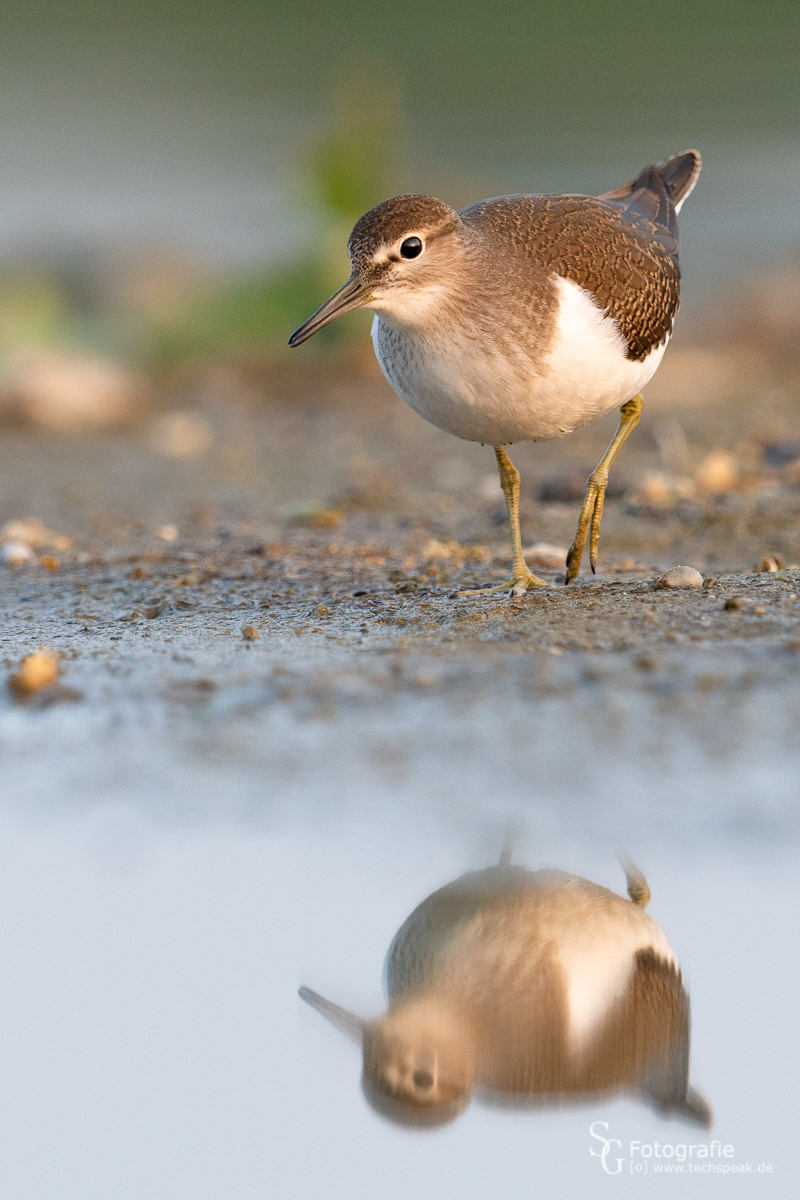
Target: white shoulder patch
[599, 969]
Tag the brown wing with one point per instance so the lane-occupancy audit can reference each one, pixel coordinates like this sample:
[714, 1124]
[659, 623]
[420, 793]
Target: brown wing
[645, 1043]
[620, 252]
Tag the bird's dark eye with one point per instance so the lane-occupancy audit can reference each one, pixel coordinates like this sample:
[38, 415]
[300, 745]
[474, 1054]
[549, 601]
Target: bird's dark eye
[422, 1079]
[411, 247]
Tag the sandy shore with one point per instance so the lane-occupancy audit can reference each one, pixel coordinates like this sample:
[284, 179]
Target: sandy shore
[339, 533]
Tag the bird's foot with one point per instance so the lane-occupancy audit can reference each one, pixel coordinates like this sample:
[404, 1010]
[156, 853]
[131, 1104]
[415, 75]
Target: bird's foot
[588, 523]
[519, 583]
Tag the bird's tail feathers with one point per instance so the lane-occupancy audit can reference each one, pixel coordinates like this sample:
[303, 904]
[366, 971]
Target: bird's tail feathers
[680, 174]
[657, 189]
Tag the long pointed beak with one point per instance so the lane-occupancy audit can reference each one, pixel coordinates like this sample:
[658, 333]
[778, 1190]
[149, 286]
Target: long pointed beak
[348, 1022]
[352, 295]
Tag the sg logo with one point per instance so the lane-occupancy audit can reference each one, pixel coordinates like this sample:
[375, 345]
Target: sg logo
[607, 1144]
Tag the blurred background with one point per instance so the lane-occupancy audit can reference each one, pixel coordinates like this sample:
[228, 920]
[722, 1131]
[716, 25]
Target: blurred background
[178, 178]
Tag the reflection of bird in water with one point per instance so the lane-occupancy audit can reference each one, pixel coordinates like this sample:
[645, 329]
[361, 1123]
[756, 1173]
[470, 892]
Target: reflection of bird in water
[529, 986]
[522, 318]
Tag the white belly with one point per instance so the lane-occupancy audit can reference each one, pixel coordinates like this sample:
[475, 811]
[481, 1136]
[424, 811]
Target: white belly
[501, 394]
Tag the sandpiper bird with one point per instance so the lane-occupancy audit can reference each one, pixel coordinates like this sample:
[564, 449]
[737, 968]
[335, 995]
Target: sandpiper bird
[529, 987]
[524, 317]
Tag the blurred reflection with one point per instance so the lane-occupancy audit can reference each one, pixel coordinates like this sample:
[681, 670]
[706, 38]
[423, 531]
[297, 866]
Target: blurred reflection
[526, 987]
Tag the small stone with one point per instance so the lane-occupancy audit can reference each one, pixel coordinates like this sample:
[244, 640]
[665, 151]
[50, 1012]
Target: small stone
[16, 554]
[311, 516]
[781, 454]
[35, 534]
[759, 610]
[181, 435]
[769, 564]
[434, 549]
[647, 662]
[167, 533]
[569, 488]
[35, 671]
[64, 390]
[323, 610]
[680, 577]
[49, 562]
[250, 633]
[732, 604]
[718, 473]
[138, 573]
[546, 556]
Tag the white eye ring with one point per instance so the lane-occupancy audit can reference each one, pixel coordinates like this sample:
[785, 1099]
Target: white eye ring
[411, 247]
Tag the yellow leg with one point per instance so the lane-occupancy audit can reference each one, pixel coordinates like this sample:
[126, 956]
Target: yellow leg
[592, 511]
[521, 579]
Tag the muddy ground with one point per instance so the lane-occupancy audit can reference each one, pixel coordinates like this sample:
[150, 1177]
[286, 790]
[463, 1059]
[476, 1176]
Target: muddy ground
[337, 528]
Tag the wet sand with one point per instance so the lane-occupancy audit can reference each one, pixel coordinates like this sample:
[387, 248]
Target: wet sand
[338, 528]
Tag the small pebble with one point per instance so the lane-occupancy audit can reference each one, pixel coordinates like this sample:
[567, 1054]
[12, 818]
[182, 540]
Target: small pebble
[33, 533]
[35, 671]
[647, 662]
[311, 516]
[759, 610]
[50, 562]
[250, 633]
[16, 554]
[138, 573]
[323, 610]
[769, 564]
[732, 604]
[546, 556]
[181, 435]
[680, 577]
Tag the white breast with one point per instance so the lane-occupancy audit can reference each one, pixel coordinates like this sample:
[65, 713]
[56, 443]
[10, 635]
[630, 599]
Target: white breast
[498, 395]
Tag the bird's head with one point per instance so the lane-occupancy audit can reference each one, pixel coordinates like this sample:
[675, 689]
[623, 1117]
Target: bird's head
[401, 253]
[419, 1061]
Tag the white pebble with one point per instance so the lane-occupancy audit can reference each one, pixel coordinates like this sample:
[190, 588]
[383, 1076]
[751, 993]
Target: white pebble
[15, 554]
[680, 577]
[543, 554]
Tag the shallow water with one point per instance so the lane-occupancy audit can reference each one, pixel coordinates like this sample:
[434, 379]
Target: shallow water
[153, 1042]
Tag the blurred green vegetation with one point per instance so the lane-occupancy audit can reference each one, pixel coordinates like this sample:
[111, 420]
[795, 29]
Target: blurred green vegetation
[344, 170]
[34, 311]
[351, 166]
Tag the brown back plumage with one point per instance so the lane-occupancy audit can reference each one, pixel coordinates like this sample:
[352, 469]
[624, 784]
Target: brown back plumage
[622, 247]
[618, 257]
